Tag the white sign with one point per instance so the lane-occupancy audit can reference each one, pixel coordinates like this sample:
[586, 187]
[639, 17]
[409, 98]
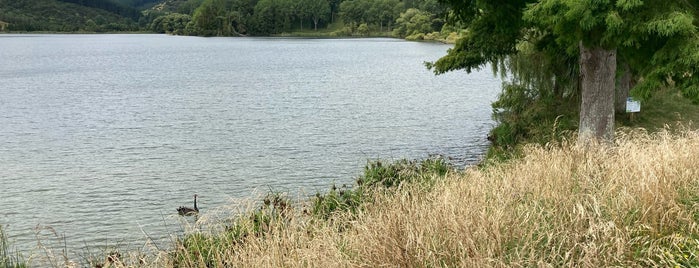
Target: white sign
[632, 106]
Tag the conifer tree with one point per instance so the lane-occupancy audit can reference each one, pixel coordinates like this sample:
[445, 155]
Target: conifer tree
[658, 37]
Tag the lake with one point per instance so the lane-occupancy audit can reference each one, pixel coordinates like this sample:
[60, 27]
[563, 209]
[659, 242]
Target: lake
[103, 136]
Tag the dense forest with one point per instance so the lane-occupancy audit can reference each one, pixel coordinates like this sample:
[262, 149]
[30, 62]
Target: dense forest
[73, 15]
[412, 19]
[269, 17]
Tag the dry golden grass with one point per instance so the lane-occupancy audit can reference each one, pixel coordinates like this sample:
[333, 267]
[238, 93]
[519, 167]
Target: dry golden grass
[631, 204]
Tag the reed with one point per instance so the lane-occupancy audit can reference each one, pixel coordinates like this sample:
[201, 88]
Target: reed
[9, 258]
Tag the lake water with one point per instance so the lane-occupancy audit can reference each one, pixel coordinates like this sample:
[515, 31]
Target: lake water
[103, 136]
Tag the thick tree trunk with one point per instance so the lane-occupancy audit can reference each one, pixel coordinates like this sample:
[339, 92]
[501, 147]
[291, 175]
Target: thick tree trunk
[623, 86]
[597, 77]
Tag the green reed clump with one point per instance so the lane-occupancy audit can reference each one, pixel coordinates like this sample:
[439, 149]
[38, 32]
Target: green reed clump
[8, 257]
[275, 211]
[379, 175]
[342, 199]
[199, 250]
[393, 174]
[205, 250]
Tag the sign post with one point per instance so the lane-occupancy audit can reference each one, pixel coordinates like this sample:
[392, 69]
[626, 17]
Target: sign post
[632, 107]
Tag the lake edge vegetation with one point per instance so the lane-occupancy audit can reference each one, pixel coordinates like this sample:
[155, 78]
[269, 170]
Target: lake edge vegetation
[411, 20]
[561, 204]
[537, 199]
[633, 204]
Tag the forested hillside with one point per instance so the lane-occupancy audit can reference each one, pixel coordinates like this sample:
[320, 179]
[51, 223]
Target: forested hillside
[407, 18]
[68, 16]
[138, 4]
[411, 19]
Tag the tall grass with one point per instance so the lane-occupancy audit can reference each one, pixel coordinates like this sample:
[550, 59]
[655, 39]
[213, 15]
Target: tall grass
[9, 258]
[628, 205]
[634, 203]
[631, 204]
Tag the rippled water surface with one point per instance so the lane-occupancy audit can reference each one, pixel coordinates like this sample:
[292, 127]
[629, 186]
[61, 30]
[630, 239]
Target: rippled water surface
[103, 136]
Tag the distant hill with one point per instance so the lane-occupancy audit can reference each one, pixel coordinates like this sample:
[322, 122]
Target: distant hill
[108, 5]
[70, 15]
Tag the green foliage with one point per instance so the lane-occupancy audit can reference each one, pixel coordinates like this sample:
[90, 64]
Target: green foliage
[494, 29]
[108, 5]
[657, 38]
[538, 41]
[263, 17]
[363, 29]
[393, 174]
[269, 17]
[214, 17]
[8, 258]
[342, 199]
[275, 211]
[539, 103]
[665, 108]
[56, 16]
[382, 14]
[318, 10]
[379, 176]
[199, 249]
[525, 116]
[413, 21]
[173, 23]
[136, 3]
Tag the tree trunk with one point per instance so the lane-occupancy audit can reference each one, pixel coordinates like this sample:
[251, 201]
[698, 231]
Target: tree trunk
[622, 89]
[597, 77]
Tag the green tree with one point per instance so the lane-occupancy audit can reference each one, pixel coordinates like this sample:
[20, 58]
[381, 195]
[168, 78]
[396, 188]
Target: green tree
[173, 23]
[354, 11]
[318, 10]
[334, 8]
[412, 22]
[385, 12]
[189, 6]
[273, 16]
[209, 18]
[660, 34]
[91, 26]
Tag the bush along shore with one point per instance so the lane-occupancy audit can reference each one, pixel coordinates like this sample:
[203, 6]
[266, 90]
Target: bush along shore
[632, 203]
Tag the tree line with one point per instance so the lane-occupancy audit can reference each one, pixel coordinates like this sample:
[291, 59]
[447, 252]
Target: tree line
[269, 17]
[412, 19]
[69, 16]
[109, 6]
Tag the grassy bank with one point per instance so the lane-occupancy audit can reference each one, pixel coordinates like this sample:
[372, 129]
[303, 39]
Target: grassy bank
[635, 203]
[631, 204]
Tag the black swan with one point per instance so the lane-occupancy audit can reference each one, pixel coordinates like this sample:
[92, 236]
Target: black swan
[187, 211]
